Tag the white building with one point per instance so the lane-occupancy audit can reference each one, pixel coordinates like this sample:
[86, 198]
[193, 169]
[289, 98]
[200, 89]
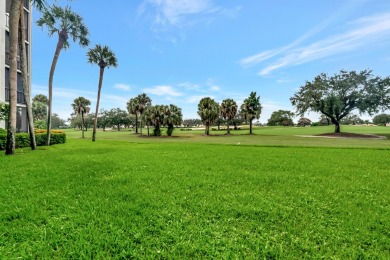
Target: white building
[5, 6]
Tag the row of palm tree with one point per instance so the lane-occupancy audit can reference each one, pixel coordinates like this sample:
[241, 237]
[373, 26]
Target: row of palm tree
[209, 111]
[156, 116]
[65, 23]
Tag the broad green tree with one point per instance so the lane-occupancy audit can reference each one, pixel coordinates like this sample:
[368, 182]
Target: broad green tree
[281, 118]
[228, 111]
[338, 95]
[117, 117]
[172, 116]
[63, 22]
[104, 57]
[251, 109]
[381, 119]
[351, 119]
[81, 107]
[3, 111]
[208, 110]
[303, 121]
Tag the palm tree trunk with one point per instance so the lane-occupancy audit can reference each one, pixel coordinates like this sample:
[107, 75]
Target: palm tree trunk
[228, 130]
[82, 124]
[136, 123]
[25, 78]
[97, 103]
[250, 126]
[140, 122]
[60, 44]
[13, 33]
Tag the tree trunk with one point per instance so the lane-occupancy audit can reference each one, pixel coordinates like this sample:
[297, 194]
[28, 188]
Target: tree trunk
[97, 103]
[25, 77]
[250, 126]
[140, 122]
[336, 127]
[136, 123]
[13, 53]
[207, 130]
[228, 130]
[62, 37]
[82, 124]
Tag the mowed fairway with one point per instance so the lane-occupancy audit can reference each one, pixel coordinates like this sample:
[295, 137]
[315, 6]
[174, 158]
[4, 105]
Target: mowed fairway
[198, 197]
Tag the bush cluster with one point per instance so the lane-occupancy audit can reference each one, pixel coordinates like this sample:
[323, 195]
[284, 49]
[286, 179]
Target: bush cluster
[23, 139]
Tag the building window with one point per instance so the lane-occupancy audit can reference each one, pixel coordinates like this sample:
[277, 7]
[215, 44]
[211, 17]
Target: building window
[20, 95]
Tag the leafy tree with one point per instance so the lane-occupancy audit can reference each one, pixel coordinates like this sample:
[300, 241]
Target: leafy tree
[218, 122]
[172, 116]
[40, 98]
[3, 111]
[303, 121]
[251, 109]
[64, 22]
[237, 120]
[381, 119]
[189, 122]
[336, 96]
[324, 120]
[80, 107]
[103, 57]
[118, 117]
[57, 122]
[39, 110]
[228, 111]
[103, 119]
[351, 120]
[208, 110]
[281, 118]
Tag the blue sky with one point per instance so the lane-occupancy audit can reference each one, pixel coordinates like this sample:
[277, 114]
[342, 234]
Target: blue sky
[178, 51]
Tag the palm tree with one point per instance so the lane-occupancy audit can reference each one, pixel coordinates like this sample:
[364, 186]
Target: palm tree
[208, 110]
[251, 109]
[13, 53]
[143, 102]
[157, 117]
[228, 111]
[172, 117]
[25, 76]
[65, 23]
[103, 57]
[81, 106]
[133, 109]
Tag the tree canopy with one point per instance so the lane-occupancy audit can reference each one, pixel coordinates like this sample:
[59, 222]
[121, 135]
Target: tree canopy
[251, 109]
[338, 95]
[281, 118]
[208, 110]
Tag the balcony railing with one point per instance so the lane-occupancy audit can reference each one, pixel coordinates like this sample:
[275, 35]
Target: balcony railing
[20, 96]
[7, 59]
[7, 20]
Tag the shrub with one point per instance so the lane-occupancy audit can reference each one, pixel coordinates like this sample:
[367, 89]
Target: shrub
[23, 139]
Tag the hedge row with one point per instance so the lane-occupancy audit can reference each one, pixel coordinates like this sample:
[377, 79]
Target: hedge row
[23, 139]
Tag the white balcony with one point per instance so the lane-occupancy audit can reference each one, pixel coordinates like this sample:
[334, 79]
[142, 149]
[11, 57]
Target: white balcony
[7, 20]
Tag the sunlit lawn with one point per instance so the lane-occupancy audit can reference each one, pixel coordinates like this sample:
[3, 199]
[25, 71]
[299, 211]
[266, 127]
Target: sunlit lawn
[274, 194]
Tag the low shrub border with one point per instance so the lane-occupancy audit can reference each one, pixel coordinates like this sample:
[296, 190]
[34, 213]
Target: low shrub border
[23, 139]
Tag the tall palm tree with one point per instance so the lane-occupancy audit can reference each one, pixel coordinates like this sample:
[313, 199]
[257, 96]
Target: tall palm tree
[81, 106]
[13, 53]
[172, 116]
[157, 117]
[103, 57]
[133, 109]
[65, 23]
[228, 111]
[208, 110]
[251, 109]
[25, 77]
[143, 102]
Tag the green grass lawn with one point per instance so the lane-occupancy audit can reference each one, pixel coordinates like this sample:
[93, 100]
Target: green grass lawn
[275, 195]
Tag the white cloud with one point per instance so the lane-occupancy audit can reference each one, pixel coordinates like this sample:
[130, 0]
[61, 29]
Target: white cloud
[124, 87]
[189, 86]
[215, 88]
[195, 99]
[163, 90]
[364, 33]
